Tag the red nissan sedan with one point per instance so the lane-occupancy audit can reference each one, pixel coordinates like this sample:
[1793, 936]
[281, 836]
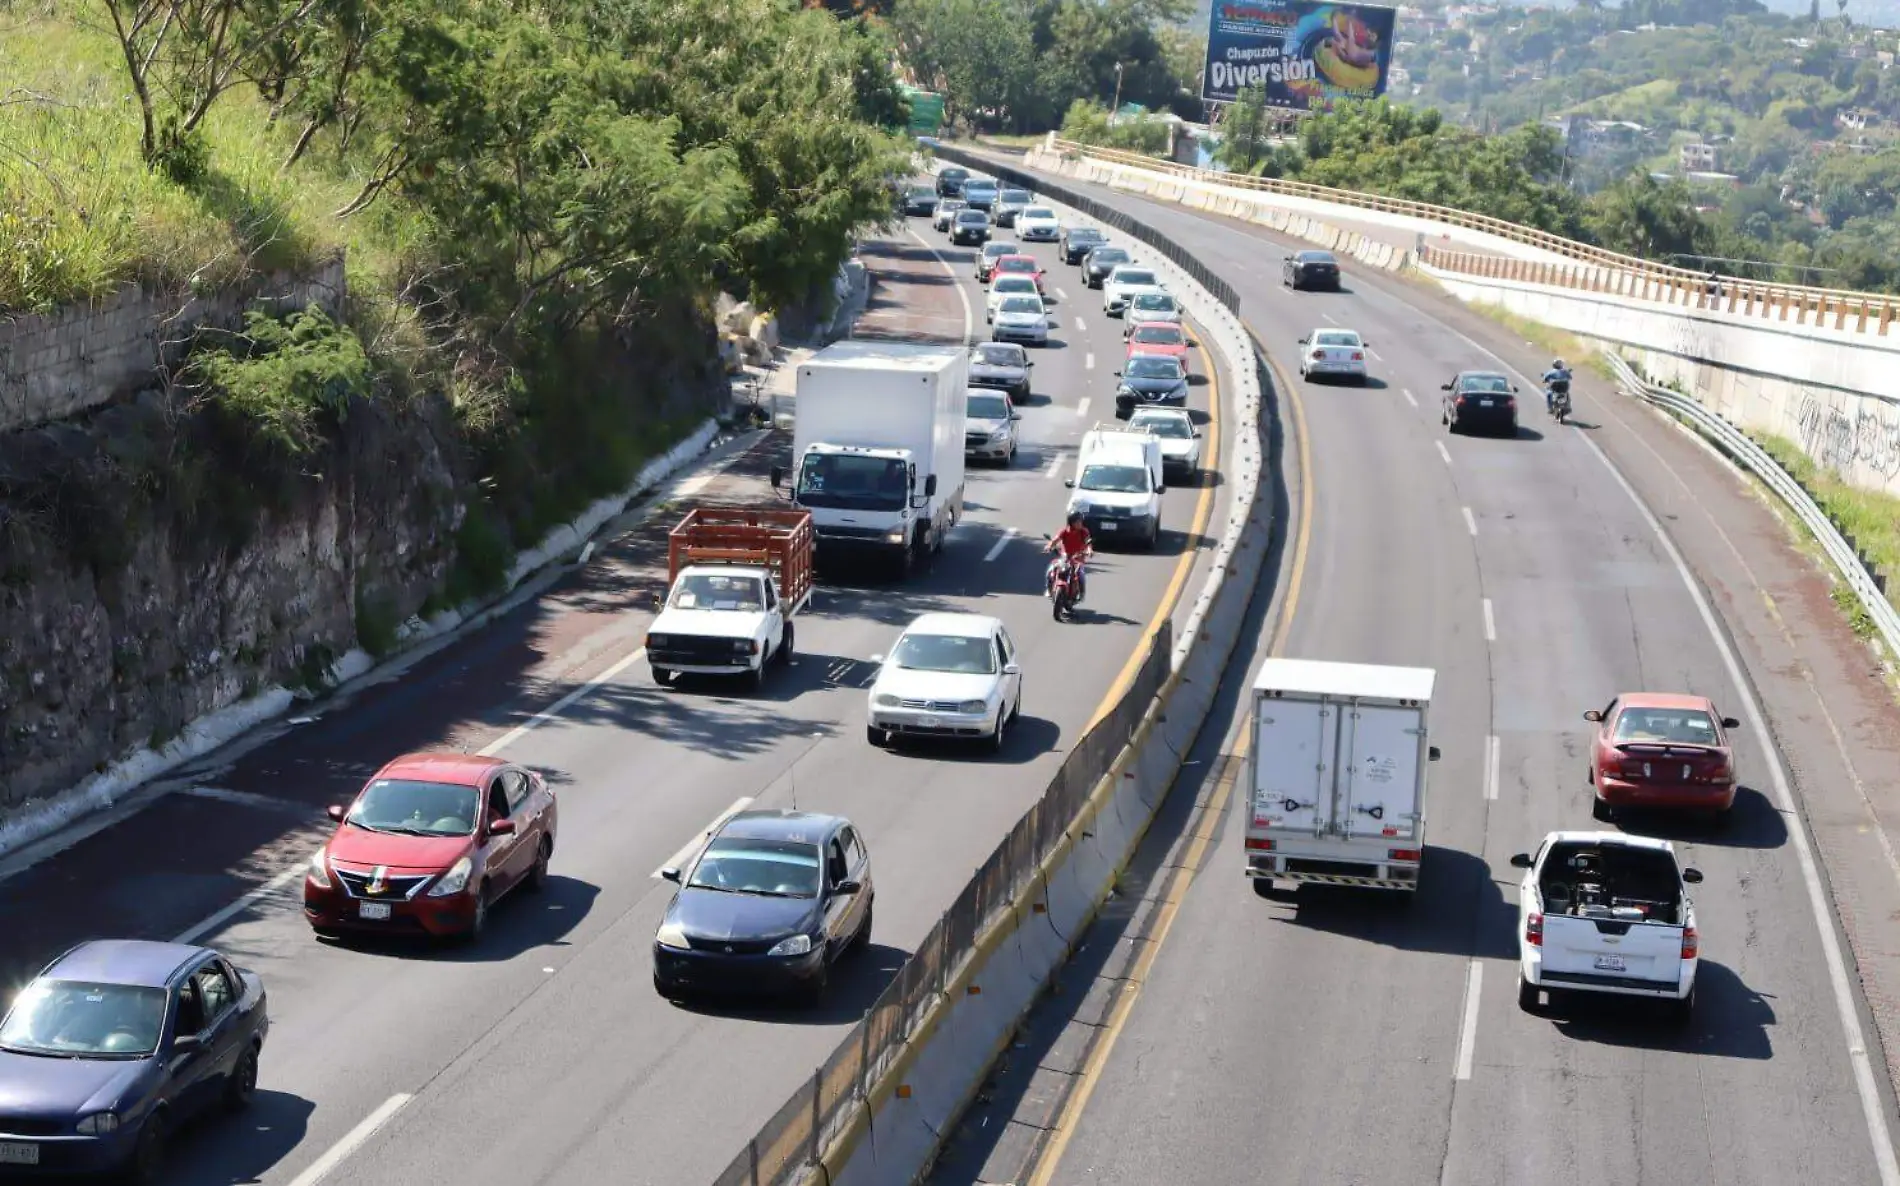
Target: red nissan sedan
[1661, 750]
[429, 845]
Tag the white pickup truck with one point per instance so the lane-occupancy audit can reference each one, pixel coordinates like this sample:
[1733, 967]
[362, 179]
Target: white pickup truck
[1606, 912]
[736, 578]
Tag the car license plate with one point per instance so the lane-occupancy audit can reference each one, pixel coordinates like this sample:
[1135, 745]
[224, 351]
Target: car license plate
[19, 1153]
[375, 910]
[929, 722]
[1609, 963]
[1484, 403]
[1109, 525]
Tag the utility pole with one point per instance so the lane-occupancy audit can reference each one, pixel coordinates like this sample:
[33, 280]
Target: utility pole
[1117, 105]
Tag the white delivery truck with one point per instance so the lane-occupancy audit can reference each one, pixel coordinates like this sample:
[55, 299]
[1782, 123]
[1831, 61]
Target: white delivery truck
[877, 447]
[1118, 484]
[1336, 774]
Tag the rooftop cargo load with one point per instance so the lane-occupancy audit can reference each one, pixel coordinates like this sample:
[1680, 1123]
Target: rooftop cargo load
[780, 540]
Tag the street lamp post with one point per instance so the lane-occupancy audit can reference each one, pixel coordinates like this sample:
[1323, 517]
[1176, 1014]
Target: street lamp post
[1117, 105]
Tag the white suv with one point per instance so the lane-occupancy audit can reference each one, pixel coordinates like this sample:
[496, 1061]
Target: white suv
[1123, 283]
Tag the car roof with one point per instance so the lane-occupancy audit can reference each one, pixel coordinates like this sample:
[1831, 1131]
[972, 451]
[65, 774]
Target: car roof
[779, 824]
[1021, 255]
[1315, 256]
[467, 770]
[1663, 700]
[1611, 839]
[1334, 329]
[1146, 356]
[1170, 326]
[955, 625]
[1160, 414]
[141, 963]
[1468, 376]
[1154, 290]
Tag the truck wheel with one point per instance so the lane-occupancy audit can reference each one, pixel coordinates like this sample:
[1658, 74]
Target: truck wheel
[1682, 1013]
[1263, 887]
[754, 679]
[785, 645]
[662, 675]
[1526, 995]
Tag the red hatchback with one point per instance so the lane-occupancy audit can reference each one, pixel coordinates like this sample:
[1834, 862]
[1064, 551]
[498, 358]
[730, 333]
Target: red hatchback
[1018, 265]
[1165, 338]
[429, 845]
[1661, 750]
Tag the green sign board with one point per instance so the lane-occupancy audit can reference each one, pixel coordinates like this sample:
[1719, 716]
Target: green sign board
[926, 112]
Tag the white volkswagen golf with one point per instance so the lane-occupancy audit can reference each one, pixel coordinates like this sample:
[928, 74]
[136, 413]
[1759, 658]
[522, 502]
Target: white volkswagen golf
[950, 675]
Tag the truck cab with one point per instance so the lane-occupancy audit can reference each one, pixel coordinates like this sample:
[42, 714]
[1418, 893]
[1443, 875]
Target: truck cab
[1118, 485]
[736, 580]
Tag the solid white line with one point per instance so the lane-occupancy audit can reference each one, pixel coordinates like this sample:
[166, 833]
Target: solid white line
[687, 851]
[996, 549]
[214, 921]
[1081, 327]
[1468, 1032]
[1410, 398]
[1375, 354]
[1490, 623]
[1055, 463]
[558, 707]
[1856, 1038]
[1088, 361]
[1327, 319]
[956, 282]
[1082, 406]
[1061, 296]
[1492, 746]
[352, 1141]
[1471, 524]
[1443, 452]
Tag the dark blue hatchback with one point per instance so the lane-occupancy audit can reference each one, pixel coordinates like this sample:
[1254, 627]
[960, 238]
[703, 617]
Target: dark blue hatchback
[114, 1046]
[771, 902]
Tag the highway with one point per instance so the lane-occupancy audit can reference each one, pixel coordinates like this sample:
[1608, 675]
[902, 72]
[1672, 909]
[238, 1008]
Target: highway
[1344, 1037]
[541, 1054]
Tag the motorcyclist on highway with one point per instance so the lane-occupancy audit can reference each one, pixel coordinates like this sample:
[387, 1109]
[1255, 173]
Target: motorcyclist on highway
[1073, 544]
[1557, 374]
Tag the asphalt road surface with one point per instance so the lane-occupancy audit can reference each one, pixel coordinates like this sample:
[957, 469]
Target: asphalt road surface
[542, 1054]
[1345, 1037]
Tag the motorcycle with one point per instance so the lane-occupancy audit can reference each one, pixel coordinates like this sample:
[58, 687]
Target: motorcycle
[1557, 400]
[1063, 584]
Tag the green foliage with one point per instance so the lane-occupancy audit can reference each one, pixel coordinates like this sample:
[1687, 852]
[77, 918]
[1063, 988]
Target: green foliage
[1088, 123]
[292, 378]
[1873, 520]
[376, 623]
[1246, 134]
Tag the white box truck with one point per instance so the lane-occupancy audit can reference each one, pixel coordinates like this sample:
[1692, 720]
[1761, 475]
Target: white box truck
[1336, 774]
[877, 447]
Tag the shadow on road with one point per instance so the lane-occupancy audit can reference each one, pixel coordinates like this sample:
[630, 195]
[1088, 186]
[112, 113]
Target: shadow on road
[241, 1148]
[1753, 823]
[857, 980]
[1460, 909]
[1731, 1020]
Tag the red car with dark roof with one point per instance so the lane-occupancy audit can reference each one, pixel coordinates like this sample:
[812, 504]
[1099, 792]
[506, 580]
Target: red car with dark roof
[1166, 338]
[429, 845]
[1656, 749]
[1018, 265]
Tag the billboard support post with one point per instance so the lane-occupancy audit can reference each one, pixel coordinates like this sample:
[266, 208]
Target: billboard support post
[1305, 55]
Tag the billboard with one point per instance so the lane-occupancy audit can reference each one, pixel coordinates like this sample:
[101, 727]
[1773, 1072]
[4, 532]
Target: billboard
[1306, 54]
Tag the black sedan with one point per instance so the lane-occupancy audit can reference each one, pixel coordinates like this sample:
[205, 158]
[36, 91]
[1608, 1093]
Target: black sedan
[1150, 380]
[969, 228]
[771, 902]
[1311, 269]
[1101, 261]
[950, 182]
[116, 1044]
[1479, 400]
[920, 200]
[1078, 241]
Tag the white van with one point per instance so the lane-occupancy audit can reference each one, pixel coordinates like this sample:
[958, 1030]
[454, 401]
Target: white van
[1118, 484]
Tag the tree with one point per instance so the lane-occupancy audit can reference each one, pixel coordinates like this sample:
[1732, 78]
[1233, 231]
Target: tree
[1642, 217]
[1245, 132]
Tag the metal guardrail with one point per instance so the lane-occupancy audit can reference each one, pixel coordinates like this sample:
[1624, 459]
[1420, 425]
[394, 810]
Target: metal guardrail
[1872, 313]
[1736, 443]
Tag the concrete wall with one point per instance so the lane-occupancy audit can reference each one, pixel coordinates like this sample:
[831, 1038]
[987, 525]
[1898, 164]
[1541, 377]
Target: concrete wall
[60, 364]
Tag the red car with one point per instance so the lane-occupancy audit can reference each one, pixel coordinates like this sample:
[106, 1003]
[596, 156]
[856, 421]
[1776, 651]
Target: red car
[1018, 265]
[1165, 338]
[429, 845]
[1661, 750]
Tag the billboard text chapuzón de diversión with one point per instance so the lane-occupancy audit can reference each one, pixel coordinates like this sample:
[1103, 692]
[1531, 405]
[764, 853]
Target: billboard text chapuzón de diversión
[1302, 53]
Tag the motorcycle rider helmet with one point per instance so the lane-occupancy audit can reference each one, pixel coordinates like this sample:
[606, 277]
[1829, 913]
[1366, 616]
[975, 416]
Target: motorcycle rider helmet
[1075, 518]
[1557, 364]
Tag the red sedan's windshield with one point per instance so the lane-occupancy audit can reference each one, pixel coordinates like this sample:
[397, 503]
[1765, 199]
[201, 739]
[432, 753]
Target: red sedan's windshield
[1016, 265]
[420, 808]
[1672, 726]
[1158, 335]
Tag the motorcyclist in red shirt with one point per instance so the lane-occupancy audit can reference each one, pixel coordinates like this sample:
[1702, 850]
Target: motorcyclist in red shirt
[1074, 544]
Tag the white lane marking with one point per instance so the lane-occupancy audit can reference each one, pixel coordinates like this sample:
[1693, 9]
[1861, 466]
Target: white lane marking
[956, 282]
[1865, 1083]
[1088, 361]
[1443, 452]
[1081, 327]
[1082, 406]
[1409, 397]
[558, 707]
[1327, 319]
[1375, 354]
[352, 1141]
[1492, 746]
[691, 848]
[1490, 623]
[1061, 296]
[1055, 463]
[1471, 524]
[200, 929]
[996, 549]
[1468, 1032]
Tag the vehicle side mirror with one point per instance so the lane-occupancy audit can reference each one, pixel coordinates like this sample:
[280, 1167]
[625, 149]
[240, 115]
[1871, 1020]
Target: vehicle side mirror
[186, 1044]
[1521, 861]
[1595, 714]
[778, 476]
[1692, 876]
[847, 887]
[670, 873]
[1015, 415]
[930, 486]
[1194, 341]
[1302, 341]
[1363, 342]
[1118, 374]
[501, 827]
[1012, 669]
[335, 811]
[1069, 482]
[1513, 389]
[1432, 754]
[1731, 723]
[1197, 434]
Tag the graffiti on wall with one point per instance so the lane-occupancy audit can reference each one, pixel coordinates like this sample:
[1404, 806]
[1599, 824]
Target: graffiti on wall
[1869, 435]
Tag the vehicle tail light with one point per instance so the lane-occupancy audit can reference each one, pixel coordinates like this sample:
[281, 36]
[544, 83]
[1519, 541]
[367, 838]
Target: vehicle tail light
[1690, 943]
[1401, 854]
[1510, 401]
[1319, 356]
[1259, 845]
[1534, 930]
[1358, 357]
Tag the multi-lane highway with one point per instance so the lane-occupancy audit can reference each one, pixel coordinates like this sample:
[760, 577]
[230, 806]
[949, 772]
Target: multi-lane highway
[541, 1054]
[1343, 1037]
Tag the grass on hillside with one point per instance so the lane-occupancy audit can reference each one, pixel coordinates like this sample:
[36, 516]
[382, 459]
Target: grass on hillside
[1873, 520]
[1569, 347]
[80, 214]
